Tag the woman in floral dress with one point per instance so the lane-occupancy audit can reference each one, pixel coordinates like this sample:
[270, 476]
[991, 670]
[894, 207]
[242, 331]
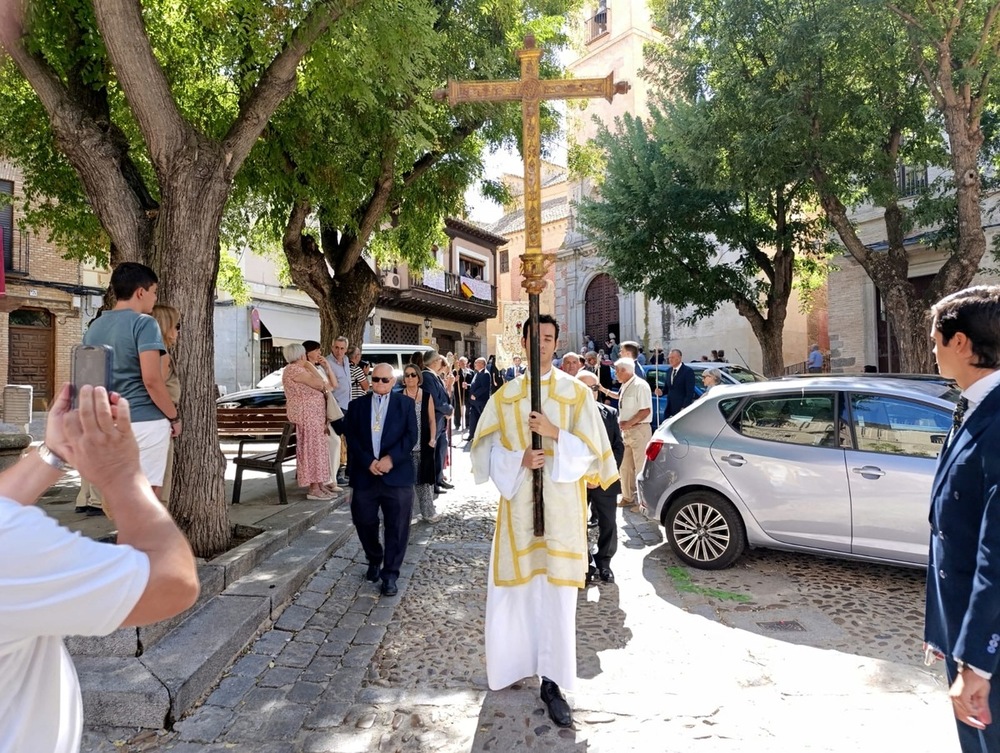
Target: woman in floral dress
[305, 392]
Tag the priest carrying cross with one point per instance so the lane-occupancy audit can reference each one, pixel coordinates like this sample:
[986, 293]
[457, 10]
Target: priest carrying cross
[539, 555]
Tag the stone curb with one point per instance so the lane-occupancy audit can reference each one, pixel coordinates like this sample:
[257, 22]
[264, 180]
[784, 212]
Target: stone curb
[151, 676]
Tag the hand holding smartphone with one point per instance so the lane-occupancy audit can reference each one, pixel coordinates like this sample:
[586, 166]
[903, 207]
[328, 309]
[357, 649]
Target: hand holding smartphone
[90, 364]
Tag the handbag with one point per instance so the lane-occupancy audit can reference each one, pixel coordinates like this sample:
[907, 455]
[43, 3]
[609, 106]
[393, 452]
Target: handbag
[333, 410]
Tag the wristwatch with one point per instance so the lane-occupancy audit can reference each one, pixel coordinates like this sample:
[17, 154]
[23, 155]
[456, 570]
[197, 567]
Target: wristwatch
[51, 459]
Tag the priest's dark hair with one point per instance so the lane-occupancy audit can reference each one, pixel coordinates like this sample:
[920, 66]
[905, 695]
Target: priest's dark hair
[311, 345]
[542, 319]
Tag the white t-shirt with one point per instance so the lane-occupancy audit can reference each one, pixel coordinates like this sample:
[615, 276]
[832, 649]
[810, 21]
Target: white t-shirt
[53, 582]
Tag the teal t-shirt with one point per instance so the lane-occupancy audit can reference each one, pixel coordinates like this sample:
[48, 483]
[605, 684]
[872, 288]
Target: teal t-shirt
[129, 334]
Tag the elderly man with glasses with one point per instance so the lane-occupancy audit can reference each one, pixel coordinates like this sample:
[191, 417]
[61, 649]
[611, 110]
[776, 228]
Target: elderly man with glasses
[381, 430]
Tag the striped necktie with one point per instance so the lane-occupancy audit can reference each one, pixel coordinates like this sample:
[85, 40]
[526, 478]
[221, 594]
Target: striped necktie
[959, 415]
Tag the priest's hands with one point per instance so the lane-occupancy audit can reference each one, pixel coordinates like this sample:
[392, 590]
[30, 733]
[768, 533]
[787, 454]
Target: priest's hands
[540, 424]
[533, 459]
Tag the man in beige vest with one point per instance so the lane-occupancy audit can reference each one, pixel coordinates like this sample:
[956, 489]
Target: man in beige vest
[635, 414]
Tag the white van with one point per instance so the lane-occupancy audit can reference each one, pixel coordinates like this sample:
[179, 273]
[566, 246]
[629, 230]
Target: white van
[396, 356]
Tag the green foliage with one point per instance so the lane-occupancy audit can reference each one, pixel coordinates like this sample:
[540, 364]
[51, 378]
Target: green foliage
[230, 279]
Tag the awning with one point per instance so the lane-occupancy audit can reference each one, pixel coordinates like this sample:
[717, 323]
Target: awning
[289, 324]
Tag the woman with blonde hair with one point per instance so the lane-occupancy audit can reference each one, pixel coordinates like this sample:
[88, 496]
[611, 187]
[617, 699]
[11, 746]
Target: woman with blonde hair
[305, 392]
[169, 320]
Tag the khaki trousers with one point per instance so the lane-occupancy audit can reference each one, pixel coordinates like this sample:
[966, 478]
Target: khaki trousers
[635, 440]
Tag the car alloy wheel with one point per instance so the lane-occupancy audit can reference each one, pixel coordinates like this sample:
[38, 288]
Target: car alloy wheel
[705, 530]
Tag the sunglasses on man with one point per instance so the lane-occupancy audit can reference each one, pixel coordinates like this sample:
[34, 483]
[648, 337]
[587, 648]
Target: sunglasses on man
[383, 380]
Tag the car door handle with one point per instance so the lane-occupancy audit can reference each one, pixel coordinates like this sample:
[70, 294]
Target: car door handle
[869, 471]
[734, 459]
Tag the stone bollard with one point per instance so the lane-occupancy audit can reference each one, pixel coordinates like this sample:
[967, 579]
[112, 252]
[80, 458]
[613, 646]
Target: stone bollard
[12, 446]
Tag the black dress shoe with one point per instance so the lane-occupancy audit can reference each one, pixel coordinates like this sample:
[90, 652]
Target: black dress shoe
[559, 711]
[389, 587]
[606, 575]
[93, 512]
[438, 490]
[445, 485]
[372, 574]
[592, 524]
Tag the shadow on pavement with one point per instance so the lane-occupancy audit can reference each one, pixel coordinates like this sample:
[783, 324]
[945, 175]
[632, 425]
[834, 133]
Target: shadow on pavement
[600, 626]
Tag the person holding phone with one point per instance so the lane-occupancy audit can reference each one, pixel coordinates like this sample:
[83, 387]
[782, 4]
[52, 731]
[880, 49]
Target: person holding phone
[57, 583]
[135, 338]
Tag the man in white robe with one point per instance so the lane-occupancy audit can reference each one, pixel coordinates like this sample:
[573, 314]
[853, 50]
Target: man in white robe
[533, 581]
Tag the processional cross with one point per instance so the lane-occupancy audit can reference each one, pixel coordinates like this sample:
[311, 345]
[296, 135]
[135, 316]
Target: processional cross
[530, 90]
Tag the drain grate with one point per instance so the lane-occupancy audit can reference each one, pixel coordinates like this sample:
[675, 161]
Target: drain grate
[783, 626]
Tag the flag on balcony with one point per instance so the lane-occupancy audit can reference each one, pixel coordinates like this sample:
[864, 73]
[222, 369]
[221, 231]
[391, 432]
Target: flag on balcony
[466, 290]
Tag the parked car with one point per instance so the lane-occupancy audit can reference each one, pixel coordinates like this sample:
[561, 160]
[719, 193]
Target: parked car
[658, 375]
[833, 465]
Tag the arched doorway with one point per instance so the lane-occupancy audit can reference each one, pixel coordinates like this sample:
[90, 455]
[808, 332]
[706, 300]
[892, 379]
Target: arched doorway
[601, 309]
[31, 339]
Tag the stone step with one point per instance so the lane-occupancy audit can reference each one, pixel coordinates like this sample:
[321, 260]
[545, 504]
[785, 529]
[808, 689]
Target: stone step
[215, 576]
[152, 689]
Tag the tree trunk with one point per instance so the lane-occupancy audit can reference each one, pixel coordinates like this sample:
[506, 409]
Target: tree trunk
[344, 300]
[187, 245]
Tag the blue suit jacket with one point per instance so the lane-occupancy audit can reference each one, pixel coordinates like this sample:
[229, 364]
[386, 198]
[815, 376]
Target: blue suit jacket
[963, 573]
[399, 435]
[680, 394]
[480, 387]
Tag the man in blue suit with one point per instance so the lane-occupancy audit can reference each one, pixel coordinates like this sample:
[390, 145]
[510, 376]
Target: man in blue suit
[381, 430]
[479, 395]
[962, 623]
[679, 384]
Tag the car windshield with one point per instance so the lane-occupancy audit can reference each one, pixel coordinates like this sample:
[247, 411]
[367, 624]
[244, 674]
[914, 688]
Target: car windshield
[743, 375]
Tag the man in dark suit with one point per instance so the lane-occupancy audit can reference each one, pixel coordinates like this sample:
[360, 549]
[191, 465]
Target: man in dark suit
[604, 502]
[514, 370]
[680, 384]
[381, 430]
[460, 393]
[479, 395]
[962, 622]
[433, 383]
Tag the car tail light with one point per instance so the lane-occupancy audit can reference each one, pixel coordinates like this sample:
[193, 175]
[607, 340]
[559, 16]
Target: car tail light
[653, 449]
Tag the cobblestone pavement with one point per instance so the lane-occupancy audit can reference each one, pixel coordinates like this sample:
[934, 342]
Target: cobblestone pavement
[782, 652]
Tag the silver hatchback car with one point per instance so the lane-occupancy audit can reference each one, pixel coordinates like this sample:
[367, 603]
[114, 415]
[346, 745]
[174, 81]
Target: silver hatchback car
[840, 466]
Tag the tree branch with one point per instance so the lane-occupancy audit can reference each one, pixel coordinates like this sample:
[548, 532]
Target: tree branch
[142, 79]
[371, 213]
[278, 81]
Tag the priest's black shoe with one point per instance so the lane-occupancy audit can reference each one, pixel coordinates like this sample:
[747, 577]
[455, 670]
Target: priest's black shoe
[438, 490]
[559, 710]
[372, 574]
[606, 575]
[389, 587]
[445, 485]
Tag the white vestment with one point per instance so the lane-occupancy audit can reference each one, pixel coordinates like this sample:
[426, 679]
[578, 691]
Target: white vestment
[533, 581]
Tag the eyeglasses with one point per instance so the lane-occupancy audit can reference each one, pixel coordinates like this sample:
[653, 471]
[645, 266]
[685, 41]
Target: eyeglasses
[409, 374]
[383, 380]
[594, 387]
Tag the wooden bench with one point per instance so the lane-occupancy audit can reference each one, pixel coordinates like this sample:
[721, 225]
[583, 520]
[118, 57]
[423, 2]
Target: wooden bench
[255, 425]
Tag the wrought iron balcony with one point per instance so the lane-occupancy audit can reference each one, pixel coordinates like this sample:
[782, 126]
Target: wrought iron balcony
[598, 25]
[910, 180]
[16, 250]
[438, 293]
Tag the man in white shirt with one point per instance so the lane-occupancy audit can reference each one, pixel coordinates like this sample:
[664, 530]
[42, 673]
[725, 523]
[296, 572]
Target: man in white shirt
[533, 581]
[635, 415]
[54, 582]
[340, 365]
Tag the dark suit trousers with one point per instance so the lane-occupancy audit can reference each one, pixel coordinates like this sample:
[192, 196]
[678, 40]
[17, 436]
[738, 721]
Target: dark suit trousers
[441, 451]
[475, 411]
[605, 507]
[971, 739]
[396, 504]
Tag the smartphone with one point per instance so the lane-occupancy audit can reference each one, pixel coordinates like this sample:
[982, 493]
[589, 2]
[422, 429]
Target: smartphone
[90, 364]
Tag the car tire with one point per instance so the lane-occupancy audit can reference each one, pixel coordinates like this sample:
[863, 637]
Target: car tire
[705, 530]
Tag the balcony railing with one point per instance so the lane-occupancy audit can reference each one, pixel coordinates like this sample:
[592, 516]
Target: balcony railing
[466, 288]
[598, 25]
[16, 250]
[910, 180]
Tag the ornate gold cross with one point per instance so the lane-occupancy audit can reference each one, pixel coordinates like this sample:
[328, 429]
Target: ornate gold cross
[531, 90]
